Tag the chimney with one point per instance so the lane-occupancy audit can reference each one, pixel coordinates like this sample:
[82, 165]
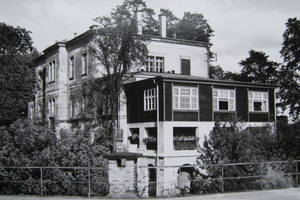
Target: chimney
[75, 34]
[139, 21]
[162, 25]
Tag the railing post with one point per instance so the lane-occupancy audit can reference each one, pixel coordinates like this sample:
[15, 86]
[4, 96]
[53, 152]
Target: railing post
[222, 180]
[261, 176]
[296, 173]
[89, 180]
[41, 180]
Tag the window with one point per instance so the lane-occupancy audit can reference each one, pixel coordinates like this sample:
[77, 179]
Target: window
[31, 112]
[150, 102]
[224, 99]
[51, 72]
[155, 64]
[185, 67]
[72, 68]
[39, 110]
[184, 138]
[258, 101]
[185, 98]
[51, 106]
[84, 64]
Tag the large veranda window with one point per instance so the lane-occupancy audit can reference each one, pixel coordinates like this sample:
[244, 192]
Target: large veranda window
[224, 99]
[185, 98]
[258, 101]
[150, 99]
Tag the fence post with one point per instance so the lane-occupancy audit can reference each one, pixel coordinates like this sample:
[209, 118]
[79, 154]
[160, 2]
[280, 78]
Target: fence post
[261, 176]
[296, 173]
[89, 180]
[222, 180]
[41, 181]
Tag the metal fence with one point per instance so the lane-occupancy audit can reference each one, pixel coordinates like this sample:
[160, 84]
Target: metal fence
[85, 181]
[229, 177]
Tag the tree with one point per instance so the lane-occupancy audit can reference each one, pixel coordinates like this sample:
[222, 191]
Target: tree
[194, 27]
[17, 77]
[231, 142]
[216, 72]
[289, 72]
[257, 68]
[30, 143]
[118, 51]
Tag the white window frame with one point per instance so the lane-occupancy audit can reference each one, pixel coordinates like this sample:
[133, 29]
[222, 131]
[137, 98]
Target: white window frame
[31, 112]
[72, 67]
[225, 95]
[150, 99]
[84, 63]
[155, 64]
[39, 110]
[51, 71]
[185, 98]
[258, 97]
[51, 106]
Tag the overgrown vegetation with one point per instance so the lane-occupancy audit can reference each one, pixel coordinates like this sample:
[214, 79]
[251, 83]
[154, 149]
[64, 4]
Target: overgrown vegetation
[232, 142]
[28, 143]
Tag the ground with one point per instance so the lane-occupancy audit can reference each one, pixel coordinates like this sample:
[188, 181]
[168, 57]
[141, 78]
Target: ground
[286, 194]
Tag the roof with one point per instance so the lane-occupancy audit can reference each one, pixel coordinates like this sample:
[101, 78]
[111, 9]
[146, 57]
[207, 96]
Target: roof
[179, 78]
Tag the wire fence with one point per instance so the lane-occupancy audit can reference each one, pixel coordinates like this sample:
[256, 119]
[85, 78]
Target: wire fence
[198, 179]
[83, 181]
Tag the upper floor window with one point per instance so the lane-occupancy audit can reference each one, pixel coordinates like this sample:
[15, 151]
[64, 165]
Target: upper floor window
[71, 68]
[150, 99]
[31, 112]
[51, 72]
[84, 64]
[258, 101]
[51, 106]
[39, 110]
[223, 99]
[155, 64]
[185, 98]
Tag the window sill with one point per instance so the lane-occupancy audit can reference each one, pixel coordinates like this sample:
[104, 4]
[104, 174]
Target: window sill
[185, 110]
[258, 112]
[224, 111]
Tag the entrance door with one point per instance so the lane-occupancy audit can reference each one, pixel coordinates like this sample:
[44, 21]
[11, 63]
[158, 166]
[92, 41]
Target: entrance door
[152, 181]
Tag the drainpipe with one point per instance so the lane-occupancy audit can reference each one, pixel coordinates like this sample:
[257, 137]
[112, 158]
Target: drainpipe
[157, 132]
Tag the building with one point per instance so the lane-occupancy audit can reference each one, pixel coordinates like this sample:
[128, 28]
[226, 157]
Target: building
[170, 107]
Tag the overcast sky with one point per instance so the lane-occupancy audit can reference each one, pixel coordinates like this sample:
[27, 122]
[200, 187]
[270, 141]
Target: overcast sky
[239, 25]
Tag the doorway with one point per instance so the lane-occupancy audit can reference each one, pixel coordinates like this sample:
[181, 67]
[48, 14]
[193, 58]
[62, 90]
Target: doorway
[152, 181]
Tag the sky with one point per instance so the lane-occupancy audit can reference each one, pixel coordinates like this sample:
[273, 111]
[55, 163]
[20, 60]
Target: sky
[239, 25]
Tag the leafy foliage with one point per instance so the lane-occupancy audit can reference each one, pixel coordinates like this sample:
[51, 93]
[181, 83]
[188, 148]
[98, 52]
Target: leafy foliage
[257, 68]
[289, 72]
[17, 77]
[233, 143]
[28, 143]
[194, 26]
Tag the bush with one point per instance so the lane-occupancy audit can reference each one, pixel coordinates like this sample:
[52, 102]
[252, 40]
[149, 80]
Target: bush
[28, 143]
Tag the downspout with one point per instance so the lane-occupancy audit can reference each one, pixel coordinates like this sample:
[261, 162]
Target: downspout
[157, 132]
